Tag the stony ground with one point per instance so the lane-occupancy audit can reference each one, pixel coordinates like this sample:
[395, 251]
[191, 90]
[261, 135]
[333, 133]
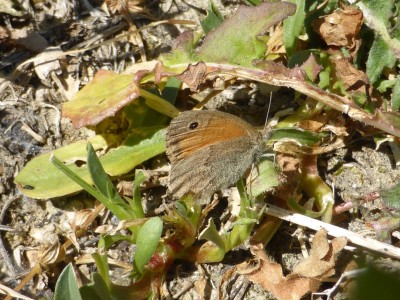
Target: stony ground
[31, 98]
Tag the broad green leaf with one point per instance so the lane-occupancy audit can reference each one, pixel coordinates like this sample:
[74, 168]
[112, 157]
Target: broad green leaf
[119, 208]
[66, 286]
[108, 93]
[380, 56]
[379, 13]
[40, 179]
[146, 243]
[236, 40]
[141, 145]
[293, 26]
[183, 50]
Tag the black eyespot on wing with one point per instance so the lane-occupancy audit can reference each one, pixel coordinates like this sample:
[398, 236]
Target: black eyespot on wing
[193, 125]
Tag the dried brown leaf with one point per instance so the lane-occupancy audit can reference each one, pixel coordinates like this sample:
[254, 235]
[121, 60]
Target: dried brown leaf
[341, 28]
[270, 276]
[322, 259]
[124, 6]
[352, 78]
[194, 75]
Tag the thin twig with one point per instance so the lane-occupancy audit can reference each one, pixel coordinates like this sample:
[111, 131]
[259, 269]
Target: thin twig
[357, 239]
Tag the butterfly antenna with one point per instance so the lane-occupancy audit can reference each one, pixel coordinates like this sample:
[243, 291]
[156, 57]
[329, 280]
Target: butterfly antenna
[269, 108]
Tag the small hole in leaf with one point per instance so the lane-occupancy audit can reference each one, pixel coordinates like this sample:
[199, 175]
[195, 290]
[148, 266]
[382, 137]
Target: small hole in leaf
[79, 163]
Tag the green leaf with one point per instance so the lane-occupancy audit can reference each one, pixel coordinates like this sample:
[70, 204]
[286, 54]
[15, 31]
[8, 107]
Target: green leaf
[107, 240]
[371, 278]
[98, 289]
[121, 210]
[107, 93]
[396, 94]
[136, 202]
[66, 286]
[146, 243]
[40, 179]
[391, 197]
[183, 50]
[385, 85]
[380, 12]
[210, 233]
[380, 56]
[245, 221]
[293, 26]
[306, 138]
[159, 104]
[103, 268]
[236, 40]
[263, 177]
[140, 145]
[213, 19]
[242, 229]
[100, 179]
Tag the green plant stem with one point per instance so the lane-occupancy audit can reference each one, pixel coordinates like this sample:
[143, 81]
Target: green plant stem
[316, 188]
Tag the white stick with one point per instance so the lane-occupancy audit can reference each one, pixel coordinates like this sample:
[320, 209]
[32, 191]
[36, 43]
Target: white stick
[335, 231]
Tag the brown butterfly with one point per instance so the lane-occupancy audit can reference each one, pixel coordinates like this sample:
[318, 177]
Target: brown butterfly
[209, 150]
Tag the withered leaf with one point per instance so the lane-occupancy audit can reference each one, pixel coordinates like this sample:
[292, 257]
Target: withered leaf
[322, 259]
[269, 275]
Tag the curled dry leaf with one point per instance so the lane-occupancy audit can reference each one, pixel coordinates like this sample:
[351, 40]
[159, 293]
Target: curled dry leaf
[53, 254]
[78, 219]
[322, 259]
[293, 147]
[194, 75]
[306, 275]
[353, 79]
[126, 6]
[275, 42]
[341, 28]
[331, 122]
[269, 275]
